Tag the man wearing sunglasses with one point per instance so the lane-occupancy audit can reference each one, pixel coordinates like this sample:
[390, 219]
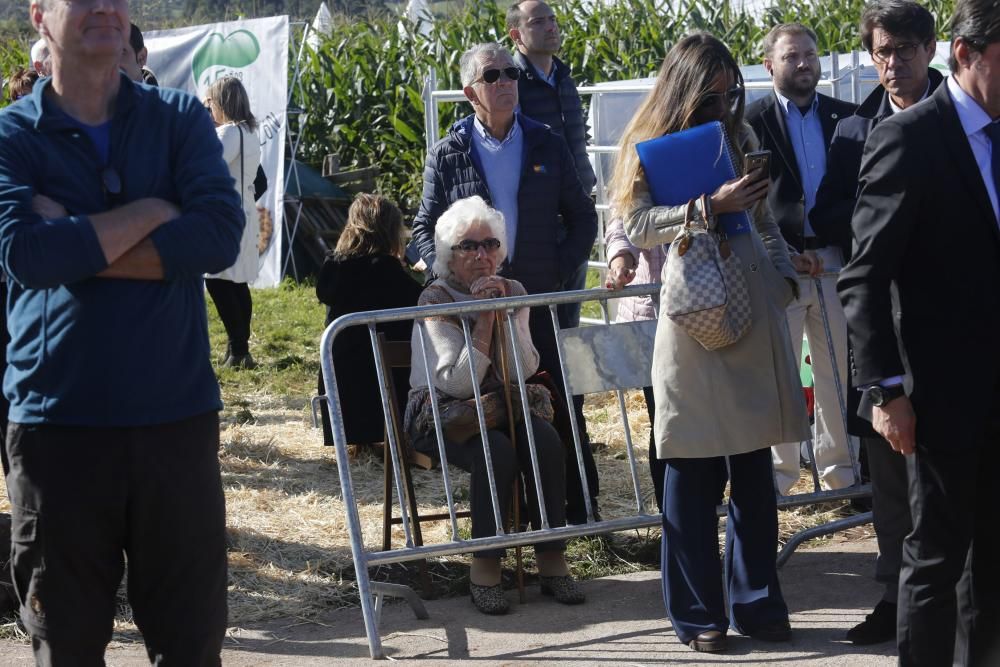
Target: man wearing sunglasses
[900, 36]
[527, 172]
[114, 201]
[796, 123]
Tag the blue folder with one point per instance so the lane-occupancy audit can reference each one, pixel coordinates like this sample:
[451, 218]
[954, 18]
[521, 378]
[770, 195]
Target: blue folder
[687, 164]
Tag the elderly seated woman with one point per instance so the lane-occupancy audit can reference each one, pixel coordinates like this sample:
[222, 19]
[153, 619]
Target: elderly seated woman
[469, 240]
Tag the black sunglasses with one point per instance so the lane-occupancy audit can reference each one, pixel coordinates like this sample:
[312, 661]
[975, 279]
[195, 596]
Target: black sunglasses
[493, 75]
[731, 98]
[112, 183]
[469, 246]
[904, 52]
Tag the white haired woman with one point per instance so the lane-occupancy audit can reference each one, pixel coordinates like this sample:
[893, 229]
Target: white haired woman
[470, 242]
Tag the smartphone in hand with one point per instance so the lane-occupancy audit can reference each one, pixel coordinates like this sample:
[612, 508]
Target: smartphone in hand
[757, 160]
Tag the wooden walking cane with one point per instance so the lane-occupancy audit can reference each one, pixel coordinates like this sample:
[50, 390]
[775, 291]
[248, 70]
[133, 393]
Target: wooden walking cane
[501, 339]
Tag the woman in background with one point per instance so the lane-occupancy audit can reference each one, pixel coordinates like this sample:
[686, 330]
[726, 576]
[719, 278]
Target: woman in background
[717, 412]
[364, 272]
[227, 101]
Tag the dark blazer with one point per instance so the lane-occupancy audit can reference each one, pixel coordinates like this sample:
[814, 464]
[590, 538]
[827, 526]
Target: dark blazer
[351, 286]
[838, 193]
[557, 222]
[924, 222]
[558, 107]
[785, 194]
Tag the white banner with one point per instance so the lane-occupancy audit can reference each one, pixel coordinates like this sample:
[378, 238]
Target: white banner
[256, 52]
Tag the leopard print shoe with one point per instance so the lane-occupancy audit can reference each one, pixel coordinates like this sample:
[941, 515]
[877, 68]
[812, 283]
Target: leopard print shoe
[563, 588]
[489, 599]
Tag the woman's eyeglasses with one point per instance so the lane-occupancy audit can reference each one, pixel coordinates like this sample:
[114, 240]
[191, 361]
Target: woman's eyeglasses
[469, 246]
[731, 98]
[493, 75]
[904, 52]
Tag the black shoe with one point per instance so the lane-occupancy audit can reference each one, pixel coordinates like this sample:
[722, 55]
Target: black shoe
[779, 631]
[878, 626]
[578, 515]
[710, 641]
[238, 361]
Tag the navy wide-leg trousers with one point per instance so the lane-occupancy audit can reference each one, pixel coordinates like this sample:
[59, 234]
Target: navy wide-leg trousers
[691, 569]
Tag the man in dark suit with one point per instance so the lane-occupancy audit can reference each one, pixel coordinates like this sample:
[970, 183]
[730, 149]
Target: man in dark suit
[928, 196]
[796, 124]
[900, 36]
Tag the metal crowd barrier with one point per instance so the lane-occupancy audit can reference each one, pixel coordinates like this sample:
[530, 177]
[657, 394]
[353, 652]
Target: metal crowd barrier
[607, 357]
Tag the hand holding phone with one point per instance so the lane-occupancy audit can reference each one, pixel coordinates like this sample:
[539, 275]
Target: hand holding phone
[757, 160]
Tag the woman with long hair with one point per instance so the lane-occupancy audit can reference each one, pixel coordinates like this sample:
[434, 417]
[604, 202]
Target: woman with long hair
[717, 412]
[365, 272]
[227, 101]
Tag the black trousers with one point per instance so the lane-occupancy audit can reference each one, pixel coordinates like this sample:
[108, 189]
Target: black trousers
[544, 339]
[508, 461]
[890, 511]
[235, 306]
[657, 466]
[85, 499]
[949, 584]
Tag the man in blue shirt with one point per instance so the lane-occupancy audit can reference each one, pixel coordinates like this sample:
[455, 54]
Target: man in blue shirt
[796, 124]
[526, 171]
[114, 201]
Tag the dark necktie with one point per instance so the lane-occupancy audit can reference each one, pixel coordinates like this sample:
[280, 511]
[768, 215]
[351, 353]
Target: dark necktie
[993, 132]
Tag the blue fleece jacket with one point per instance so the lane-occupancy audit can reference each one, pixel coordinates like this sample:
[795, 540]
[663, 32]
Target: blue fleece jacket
[92, 351]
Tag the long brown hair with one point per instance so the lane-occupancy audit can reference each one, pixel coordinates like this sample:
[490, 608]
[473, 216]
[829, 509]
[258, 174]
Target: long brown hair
[686, 77]
[374, 227]
[231, 97]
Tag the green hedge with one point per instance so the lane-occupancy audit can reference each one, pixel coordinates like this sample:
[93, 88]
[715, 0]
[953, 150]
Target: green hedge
[363, 87]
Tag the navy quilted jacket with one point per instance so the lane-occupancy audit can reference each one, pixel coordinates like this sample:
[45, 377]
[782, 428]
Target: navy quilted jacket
[560, 108]
[557, 223]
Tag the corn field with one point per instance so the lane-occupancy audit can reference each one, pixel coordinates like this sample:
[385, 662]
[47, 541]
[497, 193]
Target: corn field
[363, 86]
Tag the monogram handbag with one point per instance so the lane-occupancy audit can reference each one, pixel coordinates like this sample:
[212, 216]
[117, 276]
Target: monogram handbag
[704, 288]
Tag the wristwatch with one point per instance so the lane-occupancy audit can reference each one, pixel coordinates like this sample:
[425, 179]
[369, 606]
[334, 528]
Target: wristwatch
[880, 396]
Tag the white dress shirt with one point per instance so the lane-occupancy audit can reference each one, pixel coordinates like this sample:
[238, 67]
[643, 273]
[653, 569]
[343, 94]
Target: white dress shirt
[974, 120]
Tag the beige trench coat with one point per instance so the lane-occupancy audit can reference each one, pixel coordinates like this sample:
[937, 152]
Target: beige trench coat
[738, 398]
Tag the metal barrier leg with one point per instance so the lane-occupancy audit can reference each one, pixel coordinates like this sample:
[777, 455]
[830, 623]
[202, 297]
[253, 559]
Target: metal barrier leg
[382, 589]
[819, 531]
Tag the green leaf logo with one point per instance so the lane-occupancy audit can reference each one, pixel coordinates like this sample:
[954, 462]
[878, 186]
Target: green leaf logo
[239, 49]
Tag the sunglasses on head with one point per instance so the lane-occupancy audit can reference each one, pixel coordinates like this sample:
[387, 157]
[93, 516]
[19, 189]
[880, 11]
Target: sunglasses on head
[470, 246]
[492, 75]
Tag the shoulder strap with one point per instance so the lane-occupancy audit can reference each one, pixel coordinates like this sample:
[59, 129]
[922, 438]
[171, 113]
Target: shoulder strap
[242, 186]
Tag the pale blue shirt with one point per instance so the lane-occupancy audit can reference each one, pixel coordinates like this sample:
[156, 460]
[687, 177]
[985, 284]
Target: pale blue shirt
[806, 134]
[974, 120]
[501, 164]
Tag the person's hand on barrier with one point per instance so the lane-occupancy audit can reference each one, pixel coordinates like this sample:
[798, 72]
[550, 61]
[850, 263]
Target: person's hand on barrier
[741, 193]
[808, 262]
[489, 287]
[897, 423]
[48, 208]
[621, 271]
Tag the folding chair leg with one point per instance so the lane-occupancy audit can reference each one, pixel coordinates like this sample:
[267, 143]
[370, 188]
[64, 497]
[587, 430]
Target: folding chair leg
[387, 498]
[418, 537]
[517, 550]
